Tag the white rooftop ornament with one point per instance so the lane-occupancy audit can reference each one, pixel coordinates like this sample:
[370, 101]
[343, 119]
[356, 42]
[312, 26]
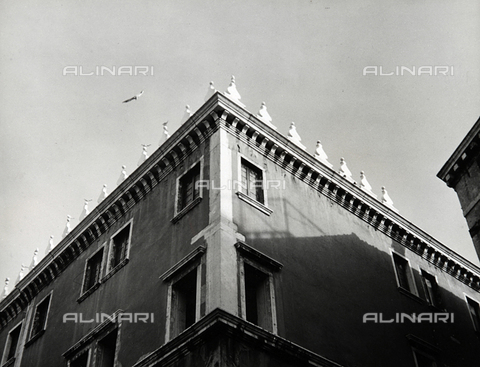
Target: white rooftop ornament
[232, 92]
[50, 245]
[186, 115]
[5, 289]
[34, 260]
[364, 185]
[344, 171]
[144, 155]
[386, 200]
[166, 134]
[210, 92]
[294, 137]
[68, 227]
[123, 175]
[321, 155]
[103, 194]
[85, 210]
[21, 274]
[265, 116]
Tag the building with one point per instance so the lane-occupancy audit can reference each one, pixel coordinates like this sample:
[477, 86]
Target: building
[231, 245]
[462, 173]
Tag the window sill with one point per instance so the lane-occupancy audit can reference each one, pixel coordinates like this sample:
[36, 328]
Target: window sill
[35, 337]
[411, 295]
[185, 210]
[254, 203]
[112, 272]
[88, 292]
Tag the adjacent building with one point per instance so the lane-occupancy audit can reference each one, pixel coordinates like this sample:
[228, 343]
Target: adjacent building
[462, 173]
[231, 245]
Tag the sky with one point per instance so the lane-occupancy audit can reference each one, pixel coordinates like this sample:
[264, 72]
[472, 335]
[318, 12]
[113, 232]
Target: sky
[62, 137]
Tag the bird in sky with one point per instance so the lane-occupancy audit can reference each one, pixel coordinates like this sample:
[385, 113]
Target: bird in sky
[134, 97]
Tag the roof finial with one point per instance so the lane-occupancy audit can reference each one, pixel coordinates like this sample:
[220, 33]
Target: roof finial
[364, 185]
[344, 171]
[186, 115]
[103, 194]
[34, 259]
[85, 210]
[67, 226]
[21, 274]
[210, 92]
[50, 245]
[5, 289]
[265, 116]
[232, 92]
[166, 134]
[144, 155]
[294, 137]
[123, 175]
[321, 155]
[386, 200]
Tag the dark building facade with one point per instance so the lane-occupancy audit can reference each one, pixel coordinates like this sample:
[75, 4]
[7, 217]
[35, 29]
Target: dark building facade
[233, 246]
[462, 173]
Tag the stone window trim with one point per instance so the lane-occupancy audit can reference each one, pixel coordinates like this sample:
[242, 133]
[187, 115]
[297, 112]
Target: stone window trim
[261, 264]
[110, 271]
[473, 307]
[435, 303]
[39, 333]
[180, 212]
[193, 262]
[84, 293]
[423, 348]
[6, 361]
[262, 206]
[88, 342]
[410, 289]
[80, 354]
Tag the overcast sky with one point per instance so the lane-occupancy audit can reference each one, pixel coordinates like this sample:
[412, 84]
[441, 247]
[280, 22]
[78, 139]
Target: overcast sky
[63, 136]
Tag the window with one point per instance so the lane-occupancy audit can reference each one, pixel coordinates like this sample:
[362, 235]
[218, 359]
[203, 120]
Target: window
[40, 317]
[257, 297]
[11, 345]
[106, 350]
[184, 299]
[430, 287]
[423, 359]
[474, 310]
[256, 293]
[252, 181]
[186, 302]
[404, 274]
[93, 271]
[119, 247]
[98, 347]
[188, 189]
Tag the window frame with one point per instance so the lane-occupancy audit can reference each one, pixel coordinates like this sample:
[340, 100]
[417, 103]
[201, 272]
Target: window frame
[437, 302]
[85, 292]
[79, 354]
[39, 333]
[8, 344]
[178, 212]
[194, 261]
[109, 270]
[266, 265]
[475, 322]
[262, 206]
[409, 274]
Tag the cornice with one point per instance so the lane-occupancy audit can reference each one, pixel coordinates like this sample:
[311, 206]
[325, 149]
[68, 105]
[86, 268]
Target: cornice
[461, 158]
